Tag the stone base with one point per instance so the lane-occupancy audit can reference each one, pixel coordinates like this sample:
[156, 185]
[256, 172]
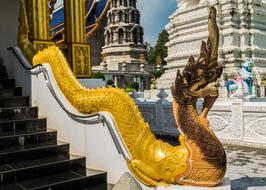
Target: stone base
[224, 186]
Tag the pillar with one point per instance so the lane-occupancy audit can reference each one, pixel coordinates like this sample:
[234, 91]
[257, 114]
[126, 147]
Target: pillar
[78, 49]
[38, 15]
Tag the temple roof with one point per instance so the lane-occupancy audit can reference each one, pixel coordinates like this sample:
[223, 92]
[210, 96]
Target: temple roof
[95, 9]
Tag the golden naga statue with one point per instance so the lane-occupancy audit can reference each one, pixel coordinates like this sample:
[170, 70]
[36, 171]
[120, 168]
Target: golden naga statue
[200, 159]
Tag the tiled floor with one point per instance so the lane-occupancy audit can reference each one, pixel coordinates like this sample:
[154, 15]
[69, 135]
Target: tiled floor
[246, 167]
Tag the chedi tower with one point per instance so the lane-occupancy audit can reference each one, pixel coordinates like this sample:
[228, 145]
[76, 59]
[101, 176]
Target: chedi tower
[123, 34]
[241, 24]
[124, 52]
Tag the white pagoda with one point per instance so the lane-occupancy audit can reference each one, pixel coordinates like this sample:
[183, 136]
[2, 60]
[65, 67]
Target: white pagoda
[242, 26]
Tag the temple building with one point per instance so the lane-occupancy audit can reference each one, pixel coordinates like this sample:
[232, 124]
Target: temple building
[94, 23]
[242, 27]
[114, 31]
[123, 53]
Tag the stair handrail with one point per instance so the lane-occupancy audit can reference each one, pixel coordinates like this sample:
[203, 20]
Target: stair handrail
[101, 118]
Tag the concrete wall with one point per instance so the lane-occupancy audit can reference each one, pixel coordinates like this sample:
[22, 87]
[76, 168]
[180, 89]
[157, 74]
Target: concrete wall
[9, 11]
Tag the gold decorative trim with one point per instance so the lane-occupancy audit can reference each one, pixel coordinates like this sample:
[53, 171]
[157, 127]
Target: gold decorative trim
[81, 60]
[42, 44]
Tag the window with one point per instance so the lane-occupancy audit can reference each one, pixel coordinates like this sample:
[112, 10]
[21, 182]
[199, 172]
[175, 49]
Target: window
[132, 16]
[108, 38]
[135, 36]
[120, 16]
[120, 36]
[113, 18]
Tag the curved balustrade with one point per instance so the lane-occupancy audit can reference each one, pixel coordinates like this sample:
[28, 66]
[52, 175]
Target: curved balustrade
[90, 120]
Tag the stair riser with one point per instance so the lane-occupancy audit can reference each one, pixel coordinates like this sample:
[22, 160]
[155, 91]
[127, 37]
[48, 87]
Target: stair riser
[7, 83]
[98, 182]
[44, 164]
[19, 156]
[14, 102]
[19, 126]
[40, 171]
[18, 113]
[79, 184]
[28, 139]
[6, 92]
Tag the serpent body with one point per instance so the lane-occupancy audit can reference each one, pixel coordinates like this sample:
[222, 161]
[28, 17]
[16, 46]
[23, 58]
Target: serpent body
[198, 160]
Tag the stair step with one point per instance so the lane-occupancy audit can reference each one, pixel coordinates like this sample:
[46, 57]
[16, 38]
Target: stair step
[17, 125]
[12, 187]
[7, 83]
[25, 138]
[32, 151]
[38, 168]
[18, 113]
[30, 156]
[14, 101]
[97, 180]
[10, 91]
[71, 180]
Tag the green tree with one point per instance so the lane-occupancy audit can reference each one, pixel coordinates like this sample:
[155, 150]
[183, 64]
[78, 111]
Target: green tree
[160, 48]
[157, 54]
[98, 75]
[150, 54]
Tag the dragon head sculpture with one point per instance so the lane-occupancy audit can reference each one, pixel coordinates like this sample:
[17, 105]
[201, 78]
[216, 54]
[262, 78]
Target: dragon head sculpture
[199, 160]
[199, 77]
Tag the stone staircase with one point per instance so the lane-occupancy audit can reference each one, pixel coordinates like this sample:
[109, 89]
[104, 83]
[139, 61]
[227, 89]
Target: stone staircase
[31, 158]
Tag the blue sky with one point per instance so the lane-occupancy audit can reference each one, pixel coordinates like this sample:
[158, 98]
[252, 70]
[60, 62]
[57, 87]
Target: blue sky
[154, 16]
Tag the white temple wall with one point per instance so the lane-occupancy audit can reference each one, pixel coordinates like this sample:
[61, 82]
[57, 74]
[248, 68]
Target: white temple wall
[233, 121]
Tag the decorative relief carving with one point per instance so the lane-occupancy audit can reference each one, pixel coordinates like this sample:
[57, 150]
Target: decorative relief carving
[40, 45]
[81, 60]
[218, 123]
[221, 123]
[255, 127]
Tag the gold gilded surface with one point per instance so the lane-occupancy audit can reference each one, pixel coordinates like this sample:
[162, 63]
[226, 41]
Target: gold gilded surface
[81, 60]
[38, 19]
[33, 27]
[78, 50]
[198, 160]
[154, 162]
[40, 45]
[207, 156]
[74, 21]
[23, 33]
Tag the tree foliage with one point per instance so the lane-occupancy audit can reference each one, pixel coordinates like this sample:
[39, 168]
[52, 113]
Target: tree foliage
[98, 75]
[161, 50]
[134, 85]
[157, 54]
[150, 55]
